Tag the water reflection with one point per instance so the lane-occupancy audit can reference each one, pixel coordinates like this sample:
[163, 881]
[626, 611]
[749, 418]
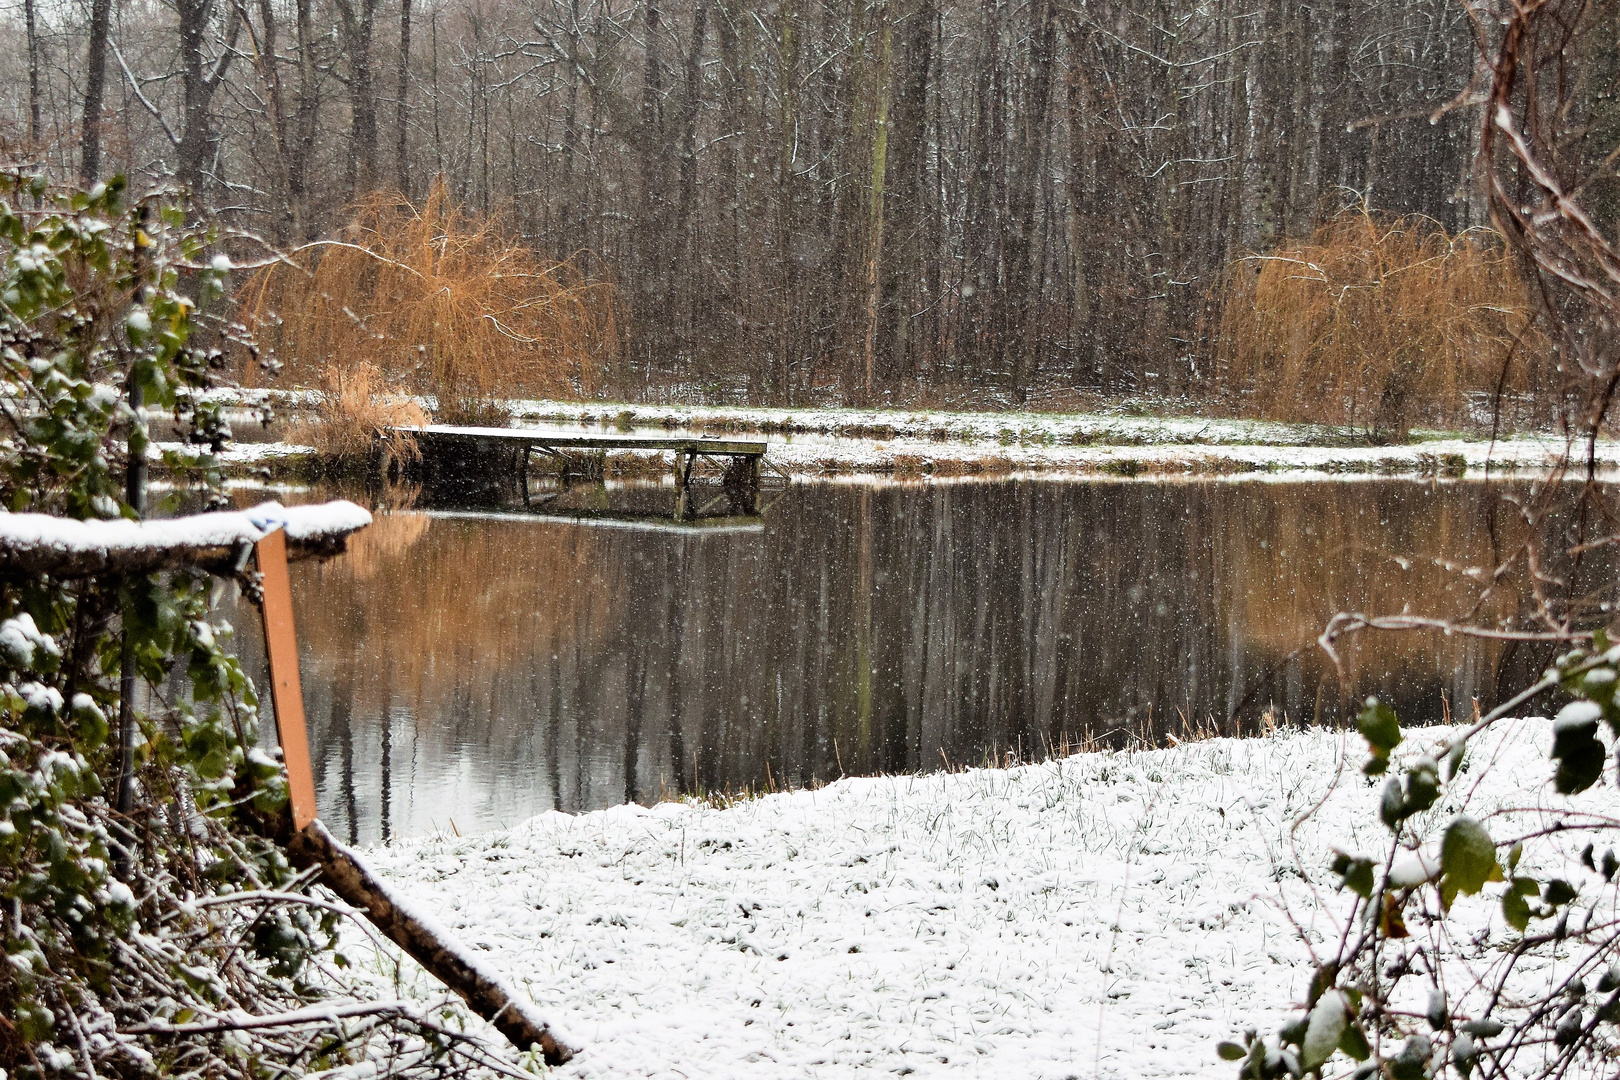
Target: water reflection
[477, 668]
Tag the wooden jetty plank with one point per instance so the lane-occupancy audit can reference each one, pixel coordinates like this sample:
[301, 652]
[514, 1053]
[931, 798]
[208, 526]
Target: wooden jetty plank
[281, 648]
[570, 441]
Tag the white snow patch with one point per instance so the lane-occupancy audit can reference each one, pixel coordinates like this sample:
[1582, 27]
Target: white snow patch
[1108, 914]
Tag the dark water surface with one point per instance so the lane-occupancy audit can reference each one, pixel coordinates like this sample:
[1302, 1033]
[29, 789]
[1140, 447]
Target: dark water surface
[479, 667]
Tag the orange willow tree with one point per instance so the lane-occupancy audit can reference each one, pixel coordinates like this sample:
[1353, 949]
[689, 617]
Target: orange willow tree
[1375, 324]
[437, 300]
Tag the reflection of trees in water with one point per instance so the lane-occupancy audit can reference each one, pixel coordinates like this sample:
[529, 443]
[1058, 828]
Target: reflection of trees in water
[525, 666]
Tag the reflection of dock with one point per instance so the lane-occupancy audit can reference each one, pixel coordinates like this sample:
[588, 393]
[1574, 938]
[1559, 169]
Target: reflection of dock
[482, 462]
[702, 504]
[470, 453]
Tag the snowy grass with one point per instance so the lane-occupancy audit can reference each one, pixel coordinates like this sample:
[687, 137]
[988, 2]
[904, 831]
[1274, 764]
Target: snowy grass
[1108, 914]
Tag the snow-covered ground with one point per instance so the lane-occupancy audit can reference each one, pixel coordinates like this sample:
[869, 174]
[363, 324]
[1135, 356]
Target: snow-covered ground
[1105, 915]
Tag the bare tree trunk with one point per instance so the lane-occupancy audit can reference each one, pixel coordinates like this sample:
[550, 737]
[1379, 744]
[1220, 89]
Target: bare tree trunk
[652, 246]
[877, 174]
[265, 45]
[977, 334]
[905, 256]
[690, 266]
[1022, 288]
[35, 102]
[402, 161]
[95, 88]
[199, 80]
[357, 25]
[304, 123]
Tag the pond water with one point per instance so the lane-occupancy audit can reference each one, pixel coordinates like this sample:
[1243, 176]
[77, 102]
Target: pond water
[465, 669]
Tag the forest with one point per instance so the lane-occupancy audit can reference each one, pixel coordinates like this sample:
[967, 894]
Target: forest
[863, 201]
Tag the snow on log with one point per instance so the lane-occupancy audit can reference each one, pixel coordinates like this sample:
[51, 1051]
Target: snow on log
[42, 544]
[430, 944]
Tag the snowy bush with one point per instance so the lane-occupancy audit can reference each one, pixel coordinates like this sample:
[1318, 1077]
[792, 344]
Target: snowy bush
[151, 923]
[1478, 937]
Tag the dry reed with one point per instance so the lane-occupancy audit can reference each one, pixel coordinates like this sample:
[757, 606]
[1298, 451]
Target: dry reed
[439, 302]
[1376, 324]
[354, 408]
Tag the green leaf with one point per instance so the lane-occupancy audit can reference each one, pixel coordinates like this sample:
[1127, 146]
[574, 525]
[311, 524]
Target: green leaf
[1454, 757]
[1558, 893]
[1422, 786]
[1437, 1014]
[1356, 873]
[1324, 1029]
[1392, 803]
[1464, 1054]
[1515, 910]
[1576, 748]
[1598, 684]
[1381, 728]
[1412, 1063]
[1230, 1051]
[1467, 855]
[1354, 1043]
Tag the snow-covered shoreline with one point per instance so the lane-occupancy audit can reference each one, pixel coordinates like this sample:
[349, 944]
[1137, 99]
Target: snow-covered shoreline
[814, 443]
[1107, 914]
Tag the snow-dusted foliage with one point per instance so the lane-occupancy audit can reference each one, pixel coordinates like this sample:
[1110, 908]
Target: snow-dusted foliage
[1474, 934]
[151, 923]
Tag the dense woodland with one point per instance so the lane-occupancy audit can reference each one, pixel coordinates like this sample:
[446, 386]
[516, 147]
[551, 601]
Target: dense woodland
[796, 200]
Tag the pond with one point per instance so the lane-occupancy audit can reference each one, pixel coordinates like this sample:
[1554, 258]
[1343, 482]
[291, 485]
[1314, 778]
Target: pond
[467, 668]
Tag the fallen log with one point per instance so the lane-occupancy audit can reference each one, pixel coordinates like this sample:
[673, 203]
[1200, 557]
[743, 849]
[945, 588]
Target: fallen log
[426, 941]
[40, 544]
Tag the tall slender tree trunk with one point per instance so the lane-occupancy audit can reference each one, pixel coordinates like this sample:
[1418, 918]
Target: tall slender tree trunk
[199, 79]
[357, 21]
[95, 89]
[402, 160]
[877, 173]
[266, 60]
[905, 257]
[303, 141]
[978, 333]
[1023, 286]
[35, 101]
[690, 266]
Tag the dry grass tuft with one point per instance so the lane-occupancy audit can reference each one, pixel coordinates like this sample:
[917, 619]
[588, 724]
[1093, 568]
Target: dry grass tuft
[1376, 324]
[355, 407]
[439, 302]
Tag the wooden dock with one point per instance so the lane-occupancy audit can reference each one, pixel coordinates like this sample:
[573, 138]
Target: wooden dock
[450, 453]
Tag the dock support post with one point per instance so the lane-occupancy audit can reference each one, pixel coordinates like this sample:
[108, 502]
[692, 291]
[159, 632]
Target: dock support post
[683, 484]
[741, 482]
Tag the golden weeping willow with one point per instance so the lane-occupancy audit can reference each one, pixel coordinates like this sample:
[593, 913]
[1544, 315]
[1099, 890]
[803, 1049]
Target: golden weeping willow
[439, 302]
[1377, 324]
